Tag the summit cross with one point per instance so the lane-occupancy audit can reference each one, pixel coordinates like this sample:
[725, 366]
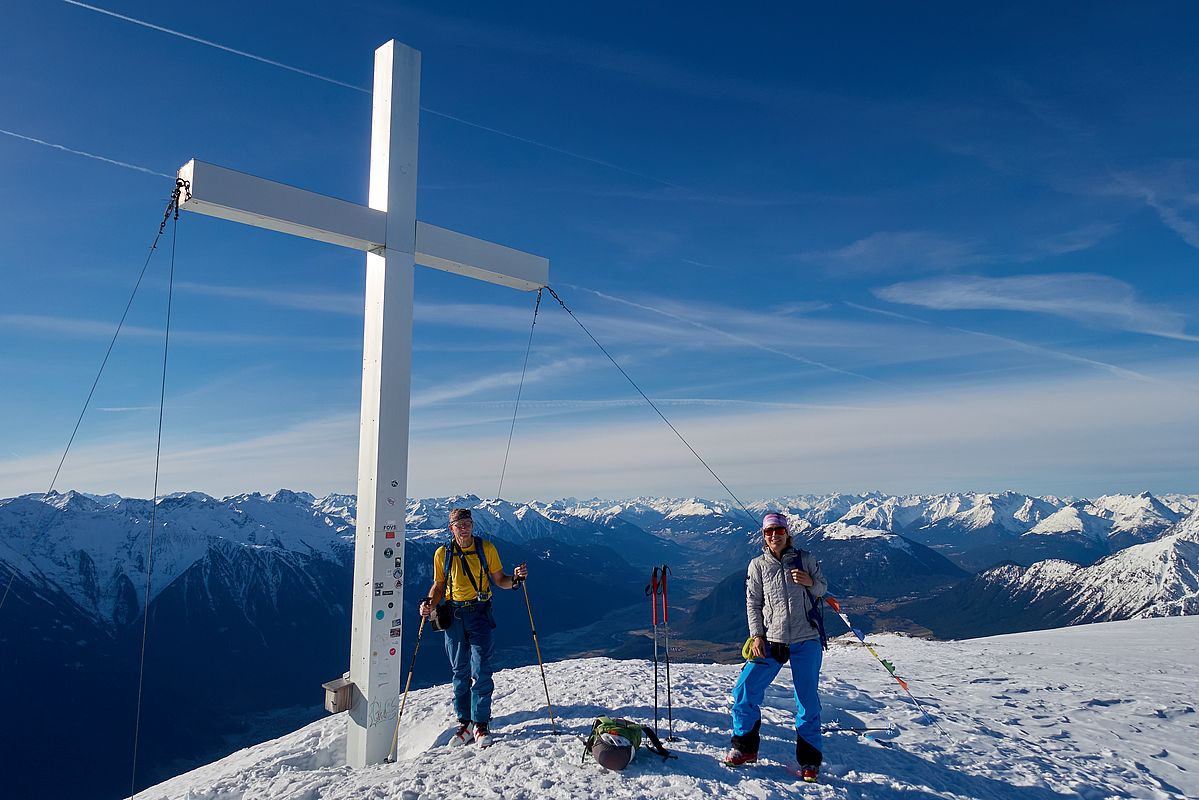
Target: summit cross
[394, 241]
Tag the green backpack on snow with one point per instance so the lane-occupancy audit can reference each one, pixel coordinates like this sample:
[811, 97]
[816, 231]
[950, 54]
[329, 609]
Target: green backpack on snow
[613, 742]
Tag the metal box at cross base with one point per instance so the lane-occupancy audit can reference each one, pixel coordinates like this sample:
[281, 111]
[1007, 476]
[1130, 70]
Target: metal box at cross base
[339, 694]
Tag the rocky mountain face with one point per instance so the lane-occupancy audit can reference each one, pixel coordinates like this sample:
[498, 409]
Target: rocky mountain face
[249, 611]
[1156, 579]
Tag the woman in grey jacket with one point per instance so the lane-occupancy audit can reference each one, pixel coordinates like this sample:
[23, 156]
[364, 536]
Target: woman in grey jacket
[781, 589]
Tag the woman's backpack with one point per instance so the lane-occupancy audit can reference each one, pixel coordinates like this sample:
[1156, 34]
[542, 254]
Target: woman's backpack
[613, 742]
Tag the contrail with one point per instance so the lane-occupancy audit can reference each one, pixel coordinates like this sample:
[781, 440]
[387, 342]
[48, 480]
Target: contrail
[551, 148]
[365, 90]
[124, 164]
[198, 40]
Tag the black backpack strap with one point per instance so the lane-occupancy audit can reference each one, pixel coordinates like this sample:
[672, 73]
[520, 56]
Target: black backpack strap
[482, 556]
[448, 578]
[590, 740]
[655, 744]
[815, 606]
[482, 565]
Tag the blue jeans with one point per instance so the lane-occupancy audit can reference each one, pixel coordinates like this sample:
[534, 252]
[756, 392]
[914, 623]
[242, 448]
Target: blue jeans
[470, 643]
[756, 675]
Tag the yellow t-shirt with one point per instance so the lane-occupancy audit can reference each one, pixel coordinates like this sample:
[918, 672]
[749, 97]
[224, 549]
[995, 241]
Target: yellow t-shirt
[462, 588]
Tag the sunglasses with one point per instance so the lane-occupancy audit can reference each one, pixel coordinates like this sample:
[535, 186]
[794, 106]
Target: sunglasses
[774, 531]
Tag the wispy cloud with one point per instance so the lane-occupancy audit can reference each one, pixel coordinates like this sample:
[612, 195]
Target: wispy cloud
[1083, 297]
[638, 66]
[1172, 191]
[1027, 347]
[633, 402]
[333, 302]
[1045, 435]
[1114, 369]
[799, 307]
[1042, 434]
[1071, 241]
[887, 251]
[455, 389]
[734, 337]
[91, 329]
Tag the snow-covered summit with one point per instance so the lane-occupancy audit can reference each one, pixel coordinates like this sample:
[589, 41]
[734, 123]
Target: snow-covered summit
[1074, 521]
[1135, 518]
[841, 530]
[1155, 579]
[1022, 716]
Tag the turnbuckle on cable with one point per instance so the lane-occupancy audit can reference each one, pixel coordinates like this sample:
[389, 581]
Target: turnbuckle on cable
[182, 189]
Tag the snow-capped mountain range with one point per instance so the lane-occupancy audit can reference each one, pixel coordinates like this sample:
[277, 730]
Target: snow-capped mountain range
[1159, 578]
[253, 579]
[92, 548]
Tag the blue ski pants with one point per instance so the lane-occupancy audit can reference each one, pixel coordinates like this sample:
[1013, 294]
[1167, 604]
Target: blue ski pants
[470, 644]
[756, 675]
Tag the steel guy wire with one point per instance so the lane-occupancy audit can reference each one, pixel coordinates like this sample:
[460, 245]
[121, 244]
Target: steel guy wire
[652, 405]
[364, 90]
[519, 389]
[182, 187]
[162, 393]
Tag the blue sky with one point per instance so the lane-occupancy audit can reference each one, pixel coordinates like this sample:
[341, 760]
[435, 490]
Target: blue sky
[874, 248]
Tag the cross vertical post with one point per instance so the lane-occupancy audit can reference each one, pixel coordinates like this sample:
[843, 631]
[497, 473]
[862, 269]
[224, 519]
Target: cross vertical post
[377, 622]
[394, 241]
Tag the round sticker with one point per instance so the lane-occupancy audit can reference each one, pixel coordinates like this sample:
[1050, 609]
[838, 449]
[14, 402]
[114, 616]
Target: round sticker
[393, 651]
[399, 573]
[379, 615]
[388, 553]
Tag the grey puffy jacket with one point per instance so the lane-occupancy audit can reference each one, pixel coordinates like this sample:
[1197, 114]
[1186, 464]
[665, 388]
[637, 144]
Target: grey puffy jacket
[776, 607]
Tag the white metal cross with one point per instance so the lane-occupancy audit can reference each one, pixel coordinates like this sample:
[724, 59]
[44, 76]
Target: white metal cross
[394, 241]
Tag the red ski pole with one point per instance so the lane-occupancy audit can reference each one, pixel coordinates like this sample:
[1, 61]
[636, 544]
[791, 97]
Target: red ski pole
[652, 592]
[666, 637]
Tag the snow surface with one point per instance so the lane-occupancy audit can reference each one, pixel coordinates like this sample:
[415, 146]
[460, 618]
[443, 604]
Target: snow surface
[1095, 711]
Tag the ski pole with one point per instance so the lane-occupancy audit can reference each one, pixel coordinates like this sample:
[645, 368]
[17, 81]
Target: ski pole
[889, 729]
[666, 642]
[395, 737]
[652, 592]
[887, 665]
[537, 647]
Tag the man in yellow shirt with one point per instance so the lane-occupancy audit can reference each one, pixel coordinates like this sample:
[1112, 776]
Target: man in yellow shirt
[469, 640]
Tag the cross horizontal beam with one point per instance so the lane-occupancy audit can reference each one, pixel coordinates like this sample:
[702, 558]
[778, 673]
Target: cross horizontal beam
[228, 194]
